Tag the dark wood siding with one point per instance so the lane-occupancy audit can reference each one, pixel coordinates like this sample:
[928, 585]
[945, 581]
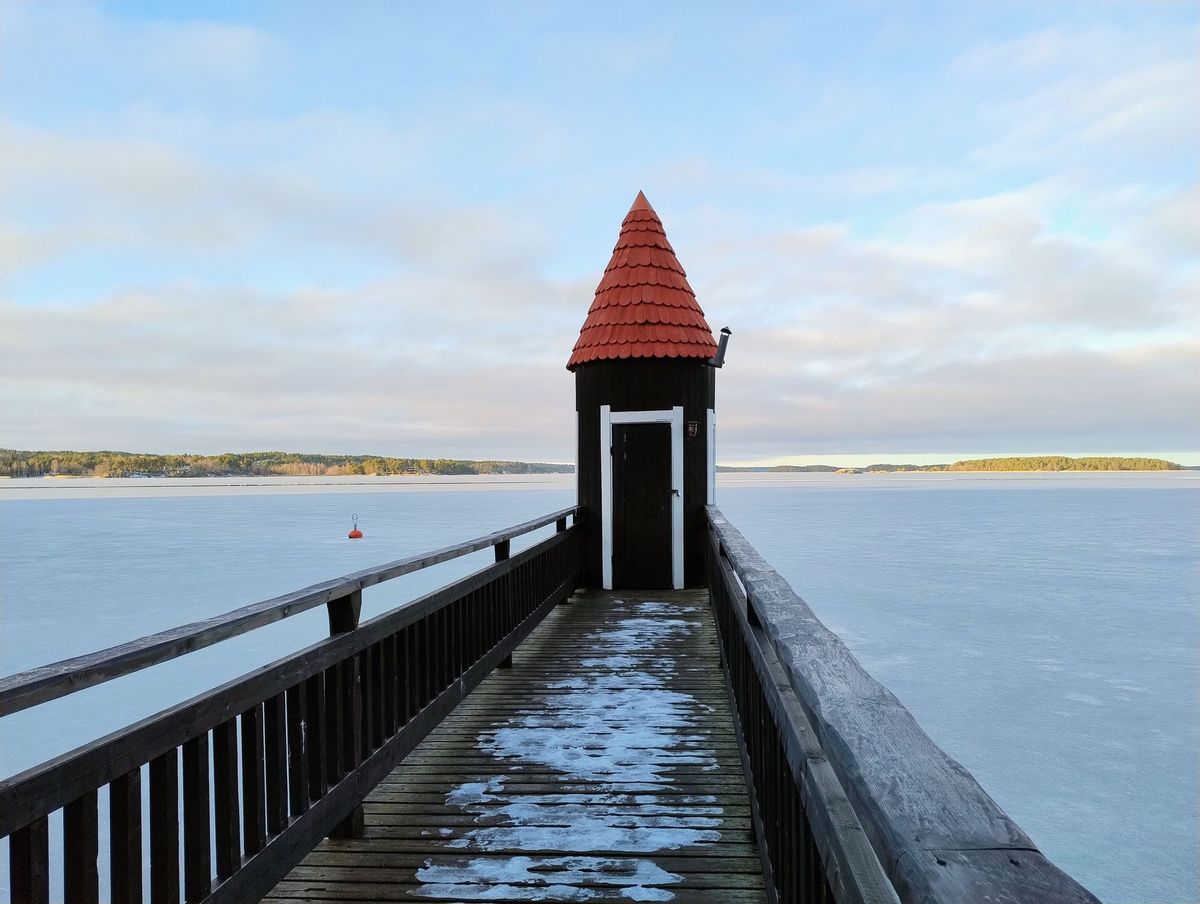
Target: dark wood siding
[645, 384]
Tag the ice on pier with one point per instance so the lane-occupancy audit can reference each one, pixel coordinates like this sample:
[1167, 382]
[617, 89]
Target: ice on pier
[619, 729]
[546, 879]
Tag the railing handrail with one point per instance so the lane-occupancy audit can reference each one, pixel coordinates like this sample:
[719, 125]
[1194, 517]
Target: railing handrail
[59, 679]
[54, 782]
[243, 779]
[851, 869]
[938, 835]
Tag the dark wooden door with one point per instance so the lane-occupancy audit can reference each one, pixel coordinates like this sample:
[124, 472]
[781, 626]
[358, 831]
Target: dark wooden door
[642, 506]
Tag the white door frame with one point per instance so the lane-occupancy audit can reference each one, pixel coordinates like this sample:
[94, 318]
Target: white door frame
[674, 417]
[712, 457]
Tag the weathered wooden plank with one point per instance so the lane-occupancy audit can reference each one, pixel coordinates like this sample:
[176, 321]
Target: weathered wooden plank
[570, 815]
[397, 846]
[387, 855]
[528, 781]
[359, 891]
[551, 805]
[606, 873]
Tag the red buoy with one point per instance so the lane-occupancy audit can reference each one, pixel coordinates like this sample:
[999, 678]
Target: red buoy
[355, 533]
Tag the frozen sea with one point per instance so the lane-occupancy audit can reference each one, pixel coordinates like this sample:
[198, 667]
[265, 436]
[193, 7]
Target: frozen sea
[1044, 629]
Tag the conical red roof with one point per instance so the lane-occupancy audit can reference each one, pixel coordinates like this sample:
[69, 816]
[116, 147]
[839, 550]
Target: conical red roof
[644, 307]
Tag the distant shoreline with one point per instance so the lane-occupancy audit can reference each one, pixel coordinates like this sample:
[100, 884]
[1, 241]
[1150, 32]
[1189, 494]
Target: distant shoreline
[1015, 464]
[63, 465]
[58, 464]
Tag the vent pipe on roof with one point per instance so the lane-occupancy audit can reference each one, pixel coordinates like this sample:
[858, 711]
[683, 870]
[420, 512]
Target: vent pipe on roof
[718, 360]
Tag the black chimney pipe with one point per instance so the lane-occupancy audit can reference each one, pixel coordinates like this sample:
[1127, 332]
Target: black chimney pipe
[718, 360]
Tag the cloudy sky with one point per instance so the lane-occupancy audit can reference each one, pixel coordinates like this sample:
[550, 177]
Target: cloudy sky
[935, 229]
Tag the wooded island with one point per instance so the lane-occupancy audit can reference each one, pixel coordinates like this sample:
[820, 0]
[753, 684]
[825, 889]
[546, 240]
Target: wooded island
[1017, 463]
[17, 463]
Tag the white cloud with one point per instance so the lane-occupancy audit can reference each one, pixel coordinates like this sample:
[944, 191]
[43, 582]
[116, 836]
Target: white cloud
[320, 279]
[840, 343]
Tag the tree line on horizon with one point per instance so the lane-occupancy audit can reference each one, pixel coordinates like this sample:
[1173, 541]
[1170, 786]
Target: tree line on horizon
[1012, 463]
[1062, 463]
[20, 463]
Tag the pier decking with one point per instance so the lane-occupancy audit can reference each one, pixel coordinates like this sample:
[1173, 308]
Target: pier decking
[603, 766]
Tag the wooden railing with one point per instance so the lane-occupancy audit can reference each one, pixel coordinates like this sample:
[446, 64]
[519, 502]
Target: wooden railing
[813, 846]
[851, 799]
[292, 748]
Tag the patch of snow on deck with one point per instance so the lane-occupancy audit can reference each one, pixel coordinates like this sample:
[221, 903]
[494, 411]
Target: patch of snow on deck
[618, 728]
[545, 879]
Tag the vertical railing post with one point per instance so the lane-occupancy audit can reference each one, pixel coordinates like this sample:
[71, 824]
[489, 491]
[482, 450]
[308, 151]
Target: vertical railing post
[560, 525]
[29, 863]
[125, 836]
[344, 613]
[164, 828]
[502, 553]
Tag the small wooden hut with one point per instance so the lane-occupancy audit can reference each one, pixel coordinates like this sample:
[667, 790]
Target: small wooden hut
[644, 398]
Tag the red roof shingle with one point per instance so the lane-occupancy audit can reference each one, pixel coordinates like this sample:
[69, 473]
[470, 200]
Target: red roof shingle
[644, 307]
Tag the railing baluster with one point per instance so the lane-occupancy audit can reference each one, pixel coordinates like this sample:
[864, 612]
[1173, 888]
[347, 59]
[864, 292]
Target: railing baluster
[299, 736]
[372, 700]
[314, 689]
[352, 712]
[425, 657]
[408, 672]
[29, 863]
[334, 724]
[164, 828]
[349, 727]
[275, 757]
[387, 689]
[369, 694]
[457, 651]
[125, 837]
[81, 849]
[399, 687]
[254, 780]
[225, 793]
[441, 645]
[197, 841]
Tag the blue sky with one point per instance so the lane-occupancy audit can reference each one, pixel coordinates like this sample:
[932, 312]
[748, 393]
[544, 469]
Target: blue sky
[936, 229]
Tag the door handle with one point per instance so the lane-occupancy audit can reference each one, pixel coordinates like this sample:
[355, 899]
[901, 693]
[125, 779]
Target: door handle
[674, 492]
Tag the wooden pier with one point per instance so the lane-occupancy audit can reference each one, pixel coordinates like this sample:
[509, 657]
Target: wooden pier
[603, 766]
[511, 737]
[527, 732]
